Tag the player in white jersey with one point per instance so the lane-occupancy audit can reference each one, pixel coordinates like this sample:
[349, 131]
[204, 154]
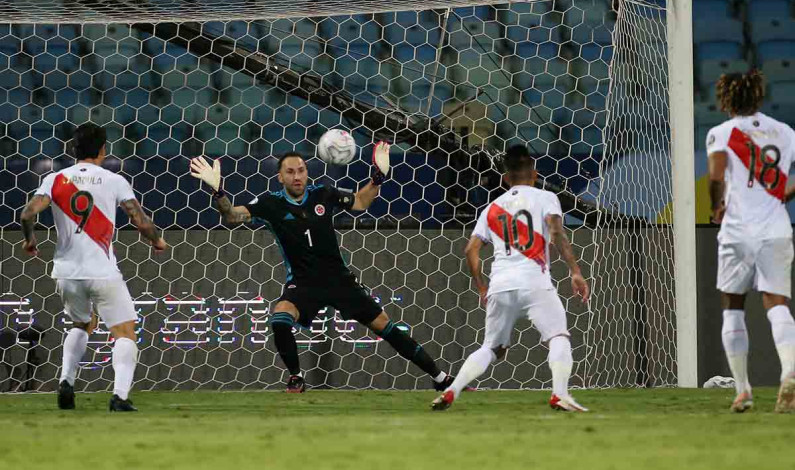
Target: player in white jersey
[521, 224]
[750, 157]
[84, 198]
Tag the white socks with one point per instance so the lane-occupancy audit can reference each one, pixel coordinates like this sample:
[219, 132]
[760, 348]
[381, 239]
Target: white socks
[74, 346]
[475, 365]
[783, 327]
[735, 344]
[560, 363]
[440, 378]
[125, 356]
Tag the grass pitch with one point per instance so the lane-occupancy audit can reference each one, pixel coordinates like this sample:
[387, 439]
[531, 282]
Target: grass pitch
[627, 429]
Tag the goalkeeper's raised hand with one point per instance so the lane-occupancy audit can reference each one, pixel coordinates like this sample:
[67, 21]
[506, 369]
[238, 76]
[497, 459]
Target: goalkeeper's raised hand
[211, 175]
[366, 195]
[380, 163]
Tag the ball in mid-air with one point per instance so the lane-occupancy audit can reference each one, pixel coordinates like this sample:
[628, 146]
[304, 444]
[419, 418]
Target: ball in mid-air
[336, 147]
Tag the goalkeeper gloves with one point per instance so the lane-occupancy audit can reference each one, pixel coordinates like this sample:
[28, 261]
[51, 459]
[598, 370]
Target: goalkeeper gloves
[380, 163]
[209, 174]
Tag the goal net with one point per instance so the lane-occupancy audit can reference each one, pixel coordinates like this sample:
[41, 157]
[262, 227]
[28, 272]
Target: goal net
[582, 83]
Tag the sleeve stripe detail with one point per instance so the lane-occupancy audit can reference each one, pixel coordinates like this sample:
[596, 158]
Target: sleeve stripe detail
[484, 239]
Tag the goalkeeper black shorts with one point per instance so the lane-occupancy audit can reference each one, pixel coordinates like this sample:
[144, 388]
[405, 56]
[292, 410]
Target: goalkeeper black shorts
[349, 297]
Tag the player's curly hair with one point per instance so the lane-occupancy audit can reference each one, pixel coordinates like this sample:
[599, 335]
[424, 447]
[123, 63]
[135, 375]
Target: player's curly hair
[741, 94]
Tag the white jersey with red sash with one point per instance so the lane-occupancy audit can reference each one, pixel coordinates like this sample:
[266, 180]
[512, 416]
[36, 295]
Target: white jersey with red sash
[761, 151]
[515, 224]
[84, 200]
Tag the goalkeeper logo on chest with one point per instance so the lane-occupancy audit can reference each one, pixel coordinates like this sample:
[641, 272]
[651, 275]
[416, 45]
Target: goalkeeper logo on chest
[301, 218]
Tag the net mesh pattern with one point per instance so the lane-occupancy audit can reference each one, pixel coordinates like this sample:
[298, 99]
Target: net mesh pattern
[155, 11]
[451, 87]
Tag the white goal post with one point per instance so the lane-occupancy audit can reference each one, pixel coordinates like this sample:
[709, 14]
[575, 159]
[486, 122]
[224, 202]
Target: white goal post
[680, 79]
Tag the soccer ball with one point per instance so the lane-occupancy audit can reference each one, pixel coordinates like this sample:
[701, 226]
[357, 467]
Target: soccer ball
[336, 147]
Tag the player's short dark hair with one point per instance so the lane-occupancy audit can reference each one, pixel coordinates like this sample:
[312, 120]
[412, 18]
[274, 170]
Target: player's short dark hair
[288, 155]
[517, 159]
[741, 94]
[87, 140]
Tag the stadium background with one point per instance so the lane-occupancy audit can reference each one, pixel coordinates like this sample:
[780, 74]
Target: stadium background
[162, 105]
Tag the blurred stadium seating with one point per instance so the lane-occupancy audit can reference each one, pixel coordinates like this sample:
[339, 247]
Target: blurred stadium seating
[126, 80]
[734, 35]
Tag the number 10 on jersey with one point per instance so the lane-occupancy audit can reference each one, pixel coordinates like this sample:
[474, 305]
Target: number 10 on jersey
[510, 231]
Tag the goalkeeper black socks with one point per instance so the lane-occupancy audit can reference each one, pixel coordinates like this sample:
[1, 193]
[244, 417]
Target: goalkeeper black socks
[409, 349]
[282, 326]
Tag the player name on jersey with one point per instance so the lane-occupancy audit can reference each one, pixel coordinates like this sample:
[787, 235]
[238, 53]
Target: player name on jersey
[81, 180]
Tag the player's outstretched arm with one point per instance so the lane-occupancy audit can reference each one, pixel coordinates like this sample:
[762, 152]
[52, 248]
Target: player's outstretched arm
[717, 185]
[144, 224]
[28, 219]
[561, 241]
[365, 196]
[232, 215]
[211, 176]
[472, 252]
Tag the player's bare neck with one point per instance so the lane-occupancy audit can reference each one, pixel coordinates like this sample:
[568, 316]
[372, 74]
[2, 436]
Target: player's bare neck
[524, 182]
[743, 115]
[92, 161]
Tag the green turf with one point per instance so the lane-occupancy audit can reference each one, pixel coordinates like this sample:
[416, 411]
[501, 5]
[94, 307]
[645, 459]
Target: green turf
[627, 429]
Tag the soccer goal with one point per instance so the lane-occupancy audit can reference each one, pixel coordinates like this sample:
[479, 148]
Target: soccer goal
[599, 90]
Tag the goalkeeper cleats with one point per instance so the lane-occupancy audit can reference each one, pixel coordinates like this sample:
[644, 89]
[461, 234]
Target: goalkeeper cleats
[566, 404]
[296, 384]
[66, 396]
[444, 384]
[786, 395]
[447, 383]
[742, 403]
[443, 401]
[117, 404]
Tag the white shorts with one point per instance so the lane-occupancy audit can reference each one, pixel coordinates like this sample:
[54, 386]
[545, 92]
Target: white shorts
[764, 265]
[542, 307]
[110, 298]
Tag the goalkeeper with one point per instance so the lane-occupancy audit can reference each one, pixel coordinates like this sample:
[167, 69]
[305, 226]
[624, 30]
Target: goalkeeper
[300, 217]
